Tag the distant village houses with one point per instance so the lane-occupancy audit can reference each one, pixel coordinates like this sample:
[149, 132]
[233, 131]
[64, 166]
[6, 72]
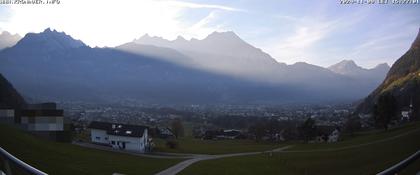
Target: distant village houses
[407, 112]
[223, 134]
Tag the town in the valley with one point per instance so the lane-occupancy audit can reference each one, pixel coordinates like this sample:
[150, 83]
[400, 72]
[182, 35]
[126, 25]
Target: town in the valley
[134, 128]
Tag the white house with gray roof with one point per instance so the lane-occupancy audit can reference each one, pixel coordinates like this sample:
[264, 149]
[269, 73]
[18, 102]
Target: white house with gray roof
[120, 136]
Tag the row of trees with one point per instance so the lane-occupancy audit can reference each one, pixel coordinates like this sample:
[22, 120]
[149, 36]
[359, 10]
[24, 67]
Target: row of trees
[289, 130]
[271, 128]
[384, 112]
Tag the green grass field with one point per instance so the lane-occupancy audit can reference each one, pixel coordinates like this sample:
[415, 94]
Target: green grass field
[360, 138]
[62, 158]
[198, 146]
[368, 159]
[189, 144]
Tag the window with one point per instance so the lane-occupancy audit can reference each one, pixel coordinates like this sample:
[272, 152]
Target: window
[98, 138]
[106, 138]
[113, 142]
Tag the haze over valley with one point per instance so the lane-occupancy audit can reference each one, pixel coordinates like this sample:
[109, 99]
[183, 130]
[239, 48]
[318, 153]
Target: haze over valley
[219, 69]
[187, 87]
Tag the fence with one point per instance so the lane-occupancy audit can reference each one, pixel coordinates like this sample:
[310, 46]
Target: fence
[401, 165]
[11, 164]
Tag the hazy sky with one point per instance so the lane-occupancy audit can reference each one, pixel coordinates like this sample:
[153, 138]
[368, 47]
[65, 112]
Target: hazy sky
[317, 32]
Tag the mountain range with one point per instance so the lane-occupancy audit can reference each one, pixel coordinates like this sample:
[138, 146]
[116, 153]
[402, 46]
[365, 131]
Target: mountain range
[350, 68]
[402, 81]
[221, 52]
[220, 69]
[225, 52]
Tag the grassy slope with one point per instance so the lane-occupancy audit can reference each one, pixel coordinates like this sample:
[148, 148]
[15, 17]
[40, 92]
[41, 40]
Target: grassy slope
[359, 138]
[190, 145]
[398, 83]
[62, 158]
[363, 160]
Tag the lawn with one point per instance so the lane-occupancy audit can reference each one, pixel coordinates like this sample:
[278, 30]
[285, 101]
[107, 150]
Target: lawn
[62, 158]
[189, 144]
[360, 138]
[198, 146]
[368, 159]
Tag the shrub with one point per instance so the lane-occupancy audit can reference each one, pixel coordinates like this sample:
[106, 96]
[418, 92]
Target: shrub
[172, 144]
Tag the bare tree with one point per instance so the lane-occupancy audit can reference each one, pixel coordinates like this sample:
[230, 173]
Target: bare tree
[177, 128]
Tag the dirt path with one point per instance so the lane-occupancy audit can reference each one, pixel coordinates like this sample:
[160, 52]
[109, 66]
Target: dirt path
[182, 165]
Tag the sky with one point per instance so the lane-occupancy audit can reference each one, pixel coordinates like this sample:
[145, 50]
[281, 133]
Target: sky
[317, 32]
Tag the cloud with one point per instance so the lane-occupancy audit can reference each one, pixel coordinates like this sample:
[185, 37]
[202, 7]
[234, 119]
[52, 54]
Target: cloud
[378, 43]
[203, 27]
[368, 35]
[198, 5]
[102, 23]
[305, 35]
[384, 46]
[287, 18]
[301, 42]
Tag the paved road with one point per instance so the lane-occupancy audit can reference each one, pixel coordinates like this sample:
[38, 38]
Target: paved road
[184, 164]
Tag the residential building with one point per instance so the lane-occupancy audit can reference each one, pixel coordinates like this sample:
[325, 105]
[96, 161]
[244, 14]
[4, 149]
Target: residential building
[326, 133]
[120, 136]
[334, 136]
[165, 133]
[406, 113]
